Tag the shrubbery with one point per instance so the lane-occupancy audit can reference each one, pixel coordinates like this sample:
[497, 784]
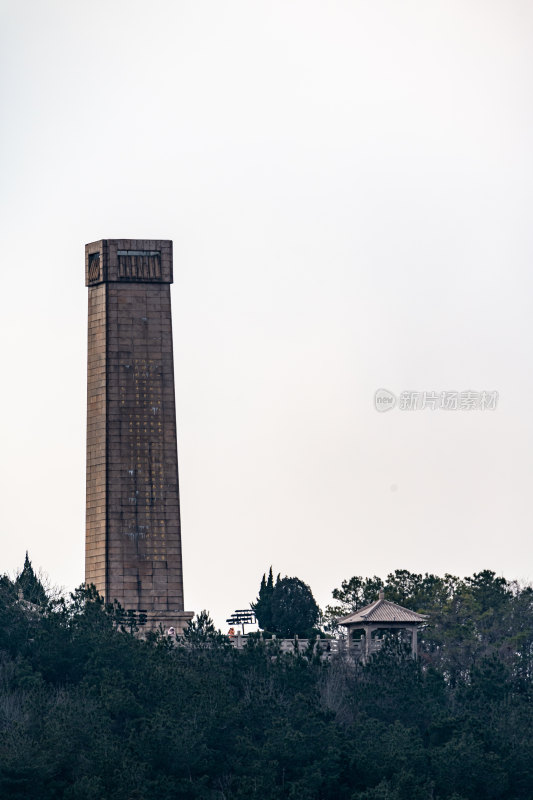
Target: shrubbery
[90, 712]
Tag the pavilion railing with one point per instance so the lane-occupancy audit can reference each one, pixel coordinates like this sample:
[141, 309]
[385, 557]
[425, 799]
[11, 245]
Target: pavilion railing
[326, 647]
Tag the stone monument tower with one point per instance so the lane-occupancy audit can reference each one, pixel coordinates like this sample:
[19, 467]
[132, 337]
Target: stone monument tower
[133, 535]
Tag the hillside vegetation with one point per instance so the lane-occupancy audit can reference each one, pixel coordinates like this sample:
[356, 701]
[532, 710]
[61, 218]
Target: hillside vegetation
[88, 711]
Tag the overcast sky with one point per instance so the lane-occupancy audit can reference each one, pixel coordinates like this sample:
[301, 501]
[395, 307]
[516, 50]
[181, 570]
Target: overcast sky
[349, 188]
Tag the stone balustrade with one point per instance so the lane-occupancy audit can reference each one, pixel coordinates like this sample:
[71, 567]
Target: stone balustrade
[326, 647]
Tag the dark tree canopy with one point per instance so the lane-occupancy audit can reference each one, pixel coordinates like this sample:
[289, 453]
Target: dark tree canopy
[29, 584]
[201, 630]
[294, 610]
[89, 711]
[286, 608]
[468, 619]
[262, 607]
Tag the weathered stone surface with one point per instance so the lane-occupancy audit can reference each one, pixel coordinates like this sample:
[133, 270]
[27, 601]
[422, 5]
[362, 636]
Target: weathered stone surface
[133, 534]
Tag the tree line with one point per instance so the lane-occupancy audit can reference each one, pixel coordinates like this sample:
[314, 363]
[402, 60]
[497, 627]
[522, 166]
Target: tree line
[90, 711]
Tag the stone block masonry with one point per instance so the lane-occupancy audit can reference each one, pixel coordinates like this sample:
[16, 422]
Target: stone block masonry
[133, 533]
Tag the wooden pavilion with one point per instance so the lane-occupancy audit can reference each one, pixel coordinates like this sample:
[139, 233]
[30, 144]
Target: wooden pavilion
[368, 626]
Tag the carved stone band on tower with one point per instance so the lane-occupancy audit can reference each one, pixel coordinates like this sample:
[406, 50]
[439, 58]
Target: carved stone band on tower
[133, 533]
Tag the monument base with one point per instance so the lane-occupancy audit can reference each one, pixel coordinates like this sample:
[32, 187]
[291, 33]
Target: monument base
[155, 620]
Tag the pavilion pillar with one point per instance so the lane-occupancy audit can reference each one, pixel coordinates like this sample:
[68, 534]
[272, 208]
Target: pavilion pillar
[414, 641]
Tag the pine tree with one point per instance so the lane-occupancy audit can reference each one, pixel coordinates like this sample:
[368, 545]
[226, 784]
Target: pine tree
[29, 584]
[201, 631]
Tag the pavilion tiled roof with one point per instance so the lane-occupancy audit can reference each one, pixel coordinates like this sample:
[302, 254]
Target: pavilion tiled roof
[382, 611]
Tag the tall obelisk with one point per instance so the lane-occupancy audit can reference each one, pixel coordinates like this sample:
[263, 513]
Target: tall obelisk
[133, 533]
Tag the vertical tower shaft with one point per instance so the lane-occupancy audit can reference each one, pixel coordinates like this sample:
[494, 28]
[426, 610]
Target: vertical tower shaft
[133, 534]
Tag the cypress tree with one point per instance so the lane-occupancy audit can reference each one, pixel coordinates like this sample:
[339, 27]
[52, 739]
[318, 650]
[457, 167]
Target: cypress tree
[30, 585]
[262, 607]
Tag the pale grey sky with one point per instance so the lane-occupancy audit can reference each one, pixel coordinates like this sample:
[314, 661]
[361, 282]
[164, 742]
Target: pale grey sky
[349, 190]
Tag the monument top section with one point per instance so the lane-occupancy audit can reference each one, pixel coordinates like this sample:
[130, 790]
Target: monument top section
[128, 261]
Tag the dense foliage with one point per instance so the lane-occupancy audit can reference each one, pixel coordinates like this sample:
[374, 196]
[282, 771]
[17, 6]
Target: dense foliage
[262, 607]
[89, 711]
[286, 608]
[477, 617]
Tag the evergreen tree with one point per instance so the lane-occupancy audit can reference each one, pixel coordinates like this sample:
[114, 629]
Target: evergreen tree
[89, 711]
[294, 609]
[29, 584]
[201, 630]
[262, 607]
[489, 592]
